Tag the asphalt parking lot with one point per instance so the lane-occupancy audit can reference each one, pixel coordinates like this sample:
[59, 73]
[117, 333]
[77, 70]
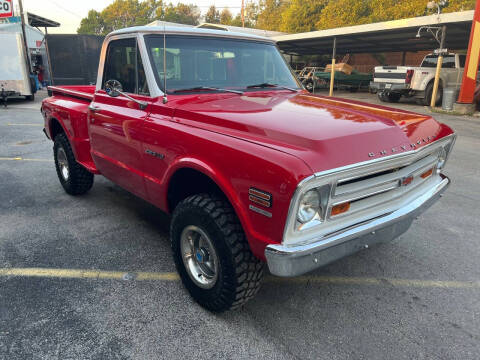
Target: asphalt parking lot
[92, 277]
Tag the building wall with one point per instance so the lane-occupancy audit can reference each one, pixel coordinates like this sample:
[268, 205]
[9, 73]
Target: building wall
[367, 62]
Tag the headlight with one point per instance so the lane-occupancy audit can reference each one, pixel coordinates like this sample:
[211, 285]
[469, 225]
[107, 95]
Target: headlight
[309, 206]
[443, 155]
[442, 158]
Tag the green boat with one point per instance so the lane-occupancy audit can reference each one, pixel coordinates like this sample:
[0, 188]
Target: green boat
[353, 82]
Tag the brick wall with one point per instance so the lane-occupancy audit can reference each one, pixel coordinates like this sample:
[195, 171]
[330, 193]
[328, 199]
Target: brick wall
[367, 62]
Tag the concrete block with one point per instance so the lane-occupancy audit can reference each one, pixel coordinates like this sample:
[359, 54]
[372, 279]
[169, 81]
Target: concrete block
[464, 109]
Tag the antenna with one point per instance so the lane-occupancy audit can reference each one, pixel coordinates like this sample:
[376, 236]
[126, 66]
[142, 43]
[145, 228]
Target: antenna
[165, 99]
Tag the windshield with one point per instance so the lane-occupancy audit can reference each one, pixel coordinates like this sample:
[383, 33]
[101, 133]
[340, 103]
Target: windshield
[198, 63]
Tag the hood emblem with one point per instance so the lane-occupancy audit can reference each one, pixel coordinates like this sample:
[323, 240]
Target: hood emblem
[402, 148]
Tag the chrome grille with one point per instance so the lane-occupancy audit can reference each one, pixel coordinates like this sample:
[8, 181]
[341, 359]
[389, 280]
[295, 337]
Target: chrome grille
[370, 190]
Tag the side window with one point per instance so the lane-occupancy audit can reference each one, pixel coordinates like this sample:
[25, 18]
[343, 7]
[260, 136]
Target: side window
[123, 63]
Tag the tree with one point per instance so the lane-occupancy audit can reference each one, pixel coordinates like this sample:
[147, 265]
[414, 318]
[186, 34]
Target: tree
[182, 14]
[301, 15]
[119, 14]
[93, 24]
[338, 13]
[213, 15]
[384, 10]
[226, 17]
[460, 5]
[270, 14]
[125, 13]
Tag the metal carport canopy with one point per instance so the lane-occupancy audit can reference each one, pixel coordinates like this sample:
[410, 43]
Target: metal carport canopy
[388, 36]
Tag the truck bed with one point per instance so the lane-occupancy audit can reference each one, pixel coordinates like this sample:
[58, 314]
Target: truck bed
[79, 91]
[68, 105]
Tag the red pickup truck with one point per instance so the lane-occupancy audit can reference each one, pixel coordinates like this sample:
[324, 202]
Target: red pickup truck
[213, 128]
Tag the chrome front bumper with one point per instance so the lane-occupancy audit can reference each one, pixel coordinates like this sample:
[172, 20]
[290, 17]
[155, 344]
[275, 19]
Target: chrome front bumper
[297, 260]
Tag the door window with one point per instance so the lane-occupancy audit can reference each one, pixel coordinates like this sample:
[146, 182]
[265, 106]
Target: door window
[124, 63]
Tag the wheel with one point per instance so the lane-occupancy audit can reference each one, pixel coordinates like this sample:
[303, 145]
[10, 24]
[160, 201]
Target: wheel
[309, 85]
[30, 97]
[75, 179]
[212, 255]
[393, 97]
[427, 100]
[381, 96]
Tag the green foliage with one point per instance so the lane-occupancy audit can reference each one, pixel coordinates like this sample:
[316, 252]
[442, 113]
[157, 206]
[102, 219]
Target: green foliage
[124, 13]
[307, 15]
[291, 16]
[301, 15]
[181, 14]
[226, 17]
[344, 13]
[92, 24]
[270, 14]
[460, 5]
[213, 15]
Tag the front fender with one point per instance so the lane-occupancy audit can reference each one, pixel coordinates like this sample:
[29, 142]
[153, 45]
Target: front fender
[259, 229]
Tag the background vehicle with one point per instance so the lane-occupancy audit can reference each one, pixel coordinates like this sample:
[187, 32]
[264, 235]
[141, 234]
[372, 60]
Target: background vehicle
[393, 82]
[14, 76]
[353, 81]
[252, 167]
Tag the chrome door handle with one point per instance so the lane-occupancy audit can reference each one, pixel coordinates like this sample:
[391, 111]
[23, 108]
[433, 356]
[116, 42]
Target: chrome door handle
[93, 108]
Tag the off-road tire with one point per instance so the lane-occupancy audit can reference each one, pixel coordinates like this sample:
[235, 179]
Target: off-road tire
[240, 273]
[429, 92]
[80, 180]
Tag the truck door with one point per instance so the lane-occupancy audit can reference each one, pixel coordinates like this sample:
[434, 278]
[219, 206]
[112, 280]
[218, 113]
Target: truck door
[115, 122]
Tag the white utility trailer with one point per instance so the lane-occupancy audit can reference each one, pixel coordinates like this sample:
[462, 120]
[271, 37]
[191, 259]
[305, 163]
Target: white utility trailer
[15, 79]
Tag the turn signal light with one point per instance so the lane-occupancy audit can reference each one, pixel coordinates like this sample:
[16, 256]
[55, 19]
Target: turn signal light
[427, 174]
[340, 209]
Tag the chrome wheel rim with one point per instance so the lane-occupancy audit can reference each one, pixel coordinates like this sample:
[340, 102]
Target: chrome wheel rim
[63, 163]
[199, 257]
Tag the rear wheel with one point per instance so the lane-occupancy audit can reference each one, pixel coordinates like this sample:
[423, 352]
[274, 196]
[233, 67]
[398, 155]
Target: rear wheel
[212, 255]
[309, 85]
[393, 97]
[75, 179]
[427, 100]
[30, 97]
[382, 96]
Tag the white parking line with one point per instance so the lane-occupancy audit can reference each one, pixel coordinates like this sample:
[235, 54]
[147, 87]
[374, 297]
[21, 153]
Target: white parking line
[171, 276]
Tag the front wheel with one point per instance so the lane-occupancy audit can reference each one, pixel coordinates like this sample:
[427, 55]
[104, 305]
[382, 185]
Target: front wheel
[75, 179]
[212, 255]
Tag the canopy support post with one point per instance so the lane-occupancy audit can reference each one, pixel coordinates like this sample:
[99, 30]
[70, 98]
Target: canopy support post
[332, 74]
[48, 57]
[433, 102]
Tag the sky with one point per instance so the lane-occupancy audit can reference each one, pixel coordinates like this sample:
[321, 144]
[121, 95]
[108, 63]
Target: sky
[70, 12]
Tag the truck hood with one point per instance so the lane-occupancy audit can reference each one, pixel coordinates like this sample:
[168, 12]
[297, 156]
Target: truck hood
[324, 132]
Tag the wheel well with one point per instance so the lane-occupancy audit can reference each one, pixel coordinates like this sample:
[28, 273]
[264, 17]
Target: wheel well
[186, 182]
[55, 128]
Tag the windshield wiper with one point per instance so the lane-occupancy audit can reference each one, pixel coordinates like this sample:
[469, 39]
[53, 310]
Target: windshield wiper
[268, 85]
[197, 88]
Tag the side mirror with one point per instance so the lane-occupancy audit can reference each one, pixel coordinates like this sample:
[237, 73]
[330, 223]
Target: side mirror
[113, 88]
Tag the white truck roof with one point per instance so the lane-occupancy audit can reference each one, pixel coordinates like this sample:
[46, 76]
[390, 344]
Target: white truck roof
[177, 30]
